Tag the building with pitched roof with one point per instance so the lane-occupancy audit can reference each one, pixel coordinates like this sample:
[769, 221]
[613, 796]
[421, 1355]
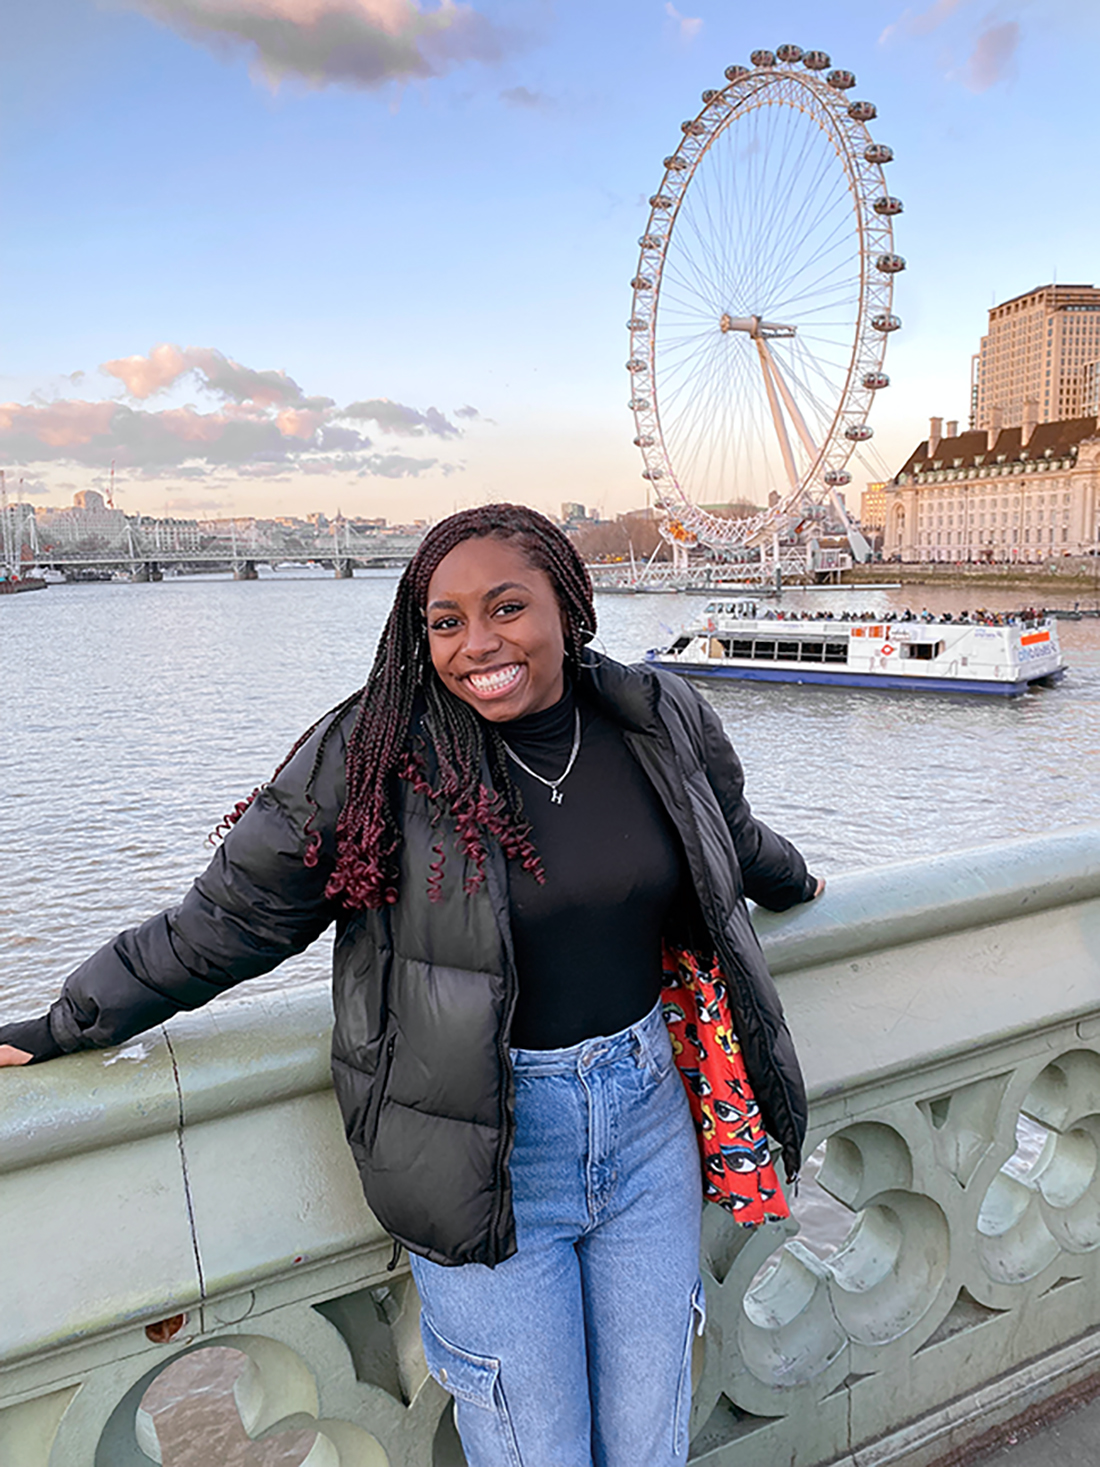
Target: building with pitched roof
[1023, 493]
[1039, 358]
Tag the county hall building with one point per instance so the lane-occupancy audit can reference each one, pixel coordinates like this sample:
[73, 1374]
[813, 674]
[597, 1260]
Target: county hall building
[1022, 483]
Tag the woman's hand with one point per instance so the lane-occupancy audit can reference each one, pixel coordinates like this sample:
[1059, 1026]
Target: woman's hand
[9, 1055]
[817, 893]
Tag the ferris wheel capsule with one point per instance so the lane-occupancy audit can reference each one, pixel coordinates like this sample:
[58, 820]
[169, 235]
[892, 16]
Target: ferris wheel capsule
[765, 60]
[674, 163]
[660, 201]
[840, 81]
[735, 73]
[873, 381]
[858, 432]
[637, 364]
[651, 241]
[693, 128]
[642, 282]
[637, 323]
[645, 440]
[862, 111]
[653, 473]
[887, 205]
[886, 322]
[817, 60]
[878, 152]
[790, 54]
[709, 96]
[890, 264]
[837, 478]
[639, 404]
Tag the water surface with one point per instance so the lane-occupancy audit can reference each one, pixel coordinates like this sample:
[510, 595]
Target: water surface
[132, 717]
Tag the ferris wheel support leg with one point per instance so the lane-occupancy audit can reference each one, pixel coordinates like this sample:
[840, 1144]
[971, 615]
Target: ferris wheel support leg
[777, 413]
[792, 407]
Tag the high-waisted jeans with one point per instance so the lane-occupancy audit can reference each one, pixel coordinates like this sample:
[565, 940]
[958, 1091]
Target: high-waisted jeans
[576, 1351]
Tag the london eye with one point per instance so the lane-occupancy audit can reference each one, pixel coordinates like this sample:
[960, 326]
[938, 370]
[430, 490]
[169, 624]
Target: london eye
[762, 303]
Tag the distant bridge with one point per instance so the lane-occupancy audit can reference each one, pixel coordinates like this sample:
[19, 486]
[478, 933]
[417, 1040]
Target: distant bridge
[147, 551]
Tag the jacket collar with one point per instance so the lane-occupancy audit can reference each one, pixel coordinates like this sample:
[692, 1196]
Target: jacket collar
[629, 695]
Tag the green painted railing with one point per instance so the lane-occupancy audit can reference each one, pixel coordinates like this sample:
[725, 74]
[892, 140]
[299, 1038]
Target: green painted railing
[193, 1190]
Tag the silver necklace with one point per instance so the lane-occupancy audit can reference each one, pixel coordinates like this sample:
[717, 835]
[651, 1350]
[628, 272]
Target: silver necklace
[553, 785]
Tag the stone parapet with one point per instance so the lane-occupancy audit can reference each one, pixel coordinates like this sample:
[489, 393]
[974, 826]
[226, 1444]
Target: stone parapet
[193, 1189]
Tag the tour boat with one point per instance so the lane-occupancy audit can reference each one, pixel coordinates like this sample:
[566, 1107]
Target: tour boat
[1002, 654]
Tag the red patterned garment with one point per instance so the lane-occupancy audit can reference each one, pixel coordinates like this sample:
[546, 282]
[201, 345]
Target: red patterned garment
[737, 1170]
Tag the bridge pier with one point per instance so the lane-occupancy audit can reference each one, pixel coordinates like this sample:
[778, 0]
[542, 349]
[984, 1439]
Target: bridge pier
[148, 570]
[245, 570]
[344, 569]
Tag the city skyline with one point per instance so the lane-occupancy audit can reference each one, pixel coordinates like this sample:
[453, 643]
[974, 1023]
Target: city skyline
[393, 278]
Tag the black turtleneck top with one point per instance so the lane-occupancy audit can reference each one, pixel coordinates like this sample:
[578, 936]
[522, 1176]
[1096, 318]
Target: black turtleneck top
[588, 940]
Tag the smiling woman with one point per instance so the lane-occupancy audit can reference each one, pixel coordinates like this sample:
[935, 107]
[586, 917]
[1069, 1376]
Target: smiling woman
[500, 1054]
[495, 630]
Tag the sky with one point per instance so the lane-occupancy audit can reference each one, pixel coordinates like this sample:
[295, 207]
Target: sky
[277, 256]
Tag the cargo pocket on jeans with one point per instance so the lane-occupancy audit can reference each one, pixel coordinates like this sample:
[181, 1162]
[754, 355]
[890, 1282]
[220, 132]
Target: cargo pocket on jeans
[697, 1319]
[474, 1382]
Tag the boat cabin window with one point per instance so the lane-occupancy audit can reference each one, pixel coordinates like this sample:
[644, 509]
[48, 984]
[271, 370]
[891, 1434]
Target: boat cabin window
[679, 644]
[922, 651]
[836, 651]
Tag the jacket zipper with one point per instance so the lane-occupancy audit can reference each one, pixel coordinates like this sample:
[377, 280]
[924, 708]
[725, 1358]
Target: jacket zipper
[382, 1080]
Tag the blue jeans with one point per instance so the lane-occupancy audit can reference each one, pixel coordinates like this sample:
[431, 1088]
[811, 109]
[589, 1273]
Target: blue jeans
[576, 1351]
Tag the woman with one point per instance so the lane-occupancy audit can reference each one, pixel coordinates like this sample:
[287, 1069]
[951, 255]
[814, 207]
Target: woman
[508, 830]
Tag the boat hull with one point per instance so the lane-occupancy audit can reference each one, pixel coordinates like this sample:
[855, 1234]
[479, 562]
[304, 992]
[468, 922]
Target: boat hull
[848, 678]
[29, 583]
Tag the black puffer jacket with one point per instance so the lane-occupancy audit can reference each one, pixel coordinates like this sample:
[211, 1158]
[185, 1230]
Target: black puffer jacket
[424, 991]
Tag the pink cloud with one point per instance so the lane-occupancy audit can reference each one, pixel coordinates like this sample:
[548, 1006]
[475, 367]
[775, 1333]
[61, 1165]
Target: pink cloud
[924, 22]
[299, 423]
[142, 376]
[357, 43]
[57, 425]
[991, 58]
[264, 424]
[689, 26]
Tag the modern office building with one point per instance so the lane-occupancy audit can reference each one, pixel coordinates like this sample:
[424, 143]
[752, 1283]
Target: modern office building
[1025, 493]
[872, 507]
[1040, 359]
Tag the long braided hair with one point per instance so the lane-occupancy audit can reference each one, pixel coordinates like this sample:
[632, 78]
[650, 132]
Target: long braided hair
[443, 756]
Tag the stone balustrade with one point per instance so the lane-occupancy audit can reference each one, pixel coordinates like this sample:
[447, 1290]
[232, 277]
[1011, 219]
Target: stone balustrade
[192, 1191]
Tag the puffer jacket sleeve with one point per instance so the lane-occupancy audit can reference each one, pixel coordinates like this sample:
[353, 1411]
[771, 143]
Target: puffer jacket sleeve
[255, 905]
[772, 869]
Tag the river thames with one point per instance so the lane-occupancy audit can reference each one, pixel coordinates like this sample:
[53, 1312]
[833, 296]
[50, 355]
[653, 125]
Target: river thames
[132, 716]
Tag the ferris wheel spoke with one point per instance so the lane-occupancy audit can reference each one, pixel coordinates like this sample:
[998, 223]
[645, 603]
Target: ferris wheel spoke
[829, 258]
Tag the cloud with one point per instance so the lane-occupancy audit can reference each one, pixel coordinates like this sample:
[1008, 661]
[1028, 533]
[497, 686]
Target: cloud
[262, 425]
[351, 43]
[991, 59]
[689, 27]
[396, 466]
[467, 412]
[143, 377]
[402, 421]
[923, 22]
[527, 100]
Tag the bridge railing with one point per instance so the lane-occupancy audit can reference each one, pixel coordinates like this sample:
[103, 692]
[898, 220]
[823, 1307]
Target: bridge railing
[187, 1203]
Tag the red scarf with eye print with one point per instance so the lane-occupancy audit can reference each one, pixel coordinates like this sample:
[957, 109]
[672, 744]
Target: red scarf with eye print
[737, 1169]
